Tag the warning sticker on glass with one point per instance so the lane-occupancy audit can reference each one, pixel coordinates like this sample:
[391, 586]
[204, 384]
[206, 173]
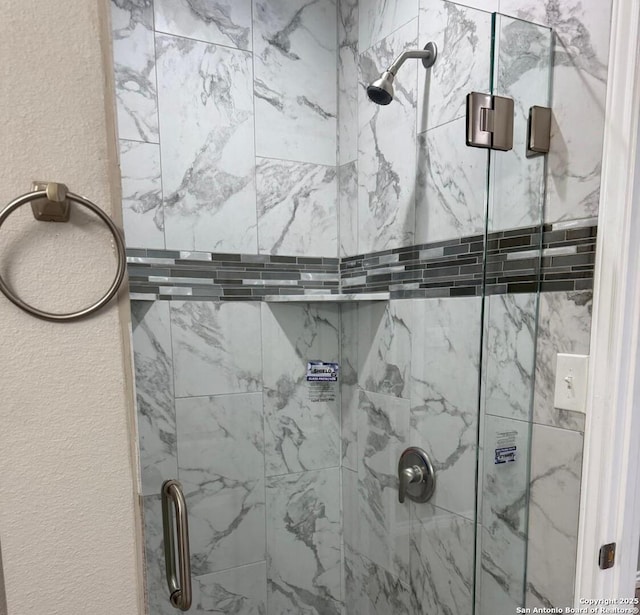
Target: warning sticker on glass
[322, 377]
[505, 455]
[320, 371]
[506, 449]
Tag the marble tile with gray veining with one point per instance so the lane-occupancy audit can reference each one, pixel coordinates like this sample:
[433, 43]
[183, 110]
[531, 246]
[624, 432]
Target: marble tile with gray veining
[523, 73]
[441, 562]
[135, 69]
[304, 533]
[450, 185]
[297, 208]
[205, 98]
[383, 523]
[348, 205]
[581, 30]
[302, 423]
[349, 391]
[384, 347]
[387, 148]
[556, 466]
[154, 393]
[372, 590]
[502, 527]
[347, 104]
[463, 37]
[221, 469]
[238, 591]
[295, 55]
[564, 325]
[216, 347]
[445, 360]
[155, 574]
[379, 18]
[225, 22]
[510, 331]
[348, 23]
[142, 210]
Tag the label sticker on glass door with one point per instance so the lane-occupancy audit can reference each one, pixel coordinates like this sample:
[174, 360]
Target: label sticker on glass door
[506, 449]
[322, 377]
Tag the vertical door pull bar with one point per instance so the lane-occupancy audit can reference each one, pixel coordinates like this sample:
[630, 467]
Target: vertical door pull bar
[179, 582]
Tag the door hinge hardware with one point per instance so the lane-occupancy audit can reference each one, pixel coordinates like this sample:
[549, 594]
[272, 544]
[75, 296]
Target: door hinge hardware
[489, 121]
[607, 556]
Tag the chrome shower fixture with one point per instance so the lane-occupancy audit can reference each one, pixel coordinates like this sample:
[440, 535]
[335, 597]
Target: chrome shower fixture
[381, 90]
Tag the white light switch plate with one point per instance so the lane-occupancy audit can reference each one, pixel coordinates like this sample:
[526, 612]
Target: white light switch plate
[571, 382]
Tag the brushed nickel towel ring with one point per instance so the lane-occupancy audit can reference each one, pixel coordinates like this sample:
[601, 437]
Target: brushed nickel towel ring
[51, 203]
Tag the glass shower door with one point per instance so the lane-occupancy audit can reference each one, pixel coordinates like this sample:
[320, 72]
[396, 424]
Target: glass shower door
[521, 69]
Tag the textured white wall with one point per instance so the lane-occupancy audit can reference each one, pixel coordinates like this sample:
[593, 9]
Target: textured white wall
[68, 528]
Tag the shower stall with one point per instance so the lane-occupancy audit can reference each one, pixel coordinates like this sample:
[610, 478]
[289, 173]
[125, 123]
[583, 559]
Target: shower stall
[319, 283]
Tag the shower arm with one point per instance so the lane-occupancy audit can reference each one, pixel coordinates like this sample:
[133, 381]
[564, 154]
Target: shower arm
[427, 55]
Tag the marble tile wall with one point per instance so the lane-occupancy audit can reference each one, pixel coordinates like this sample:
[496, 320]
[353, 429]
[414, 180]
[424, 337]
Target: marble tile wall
[227, 114]
[224, 407]
[220, 153]
[405, 360]
[398, 205]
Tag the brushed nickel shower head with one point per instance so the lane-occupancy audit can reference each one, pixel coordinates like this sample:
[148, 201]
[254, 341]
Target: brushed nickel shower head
[381, 90]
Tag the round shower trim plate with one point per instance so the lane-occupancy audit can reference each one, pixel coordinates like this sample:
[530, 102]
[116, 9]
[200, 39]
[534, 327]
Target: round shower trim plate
[430, 61]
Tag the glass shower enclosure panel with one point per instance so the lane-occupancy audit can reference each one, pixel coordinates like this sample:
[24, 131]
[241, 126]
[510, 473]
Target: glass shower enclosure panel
[521, 70]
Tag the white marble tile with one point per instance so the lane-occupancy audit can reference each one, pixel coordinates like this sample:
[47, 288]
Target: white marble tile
[347, 104]
[302, 431]
[154, 393]
[295, 55]
[556, 465]
[349, 391]
[205, 99]
[444, 395]
[581, 29]
[348, 22]
[371, 590]
[442, 561]
[221, 468]
[482, 5]
[463, 37]
[142, 210]
[387, 148]
[304, 543]
[523, 73]
[383, 523]
[216, 347]
[502, 503]
[379, 18]
[564, 325]
[225, 22]
[155, 574]
[297, 208]
[135, 69]
[450, 185]
[384, 347]
[239, 591]
[348, 205]
[510, 331]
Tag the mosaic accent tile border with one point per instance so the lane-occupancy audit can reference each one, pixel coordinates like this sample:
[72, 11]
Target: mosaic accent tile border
[169, 274]
[454, 268]
[443, 269]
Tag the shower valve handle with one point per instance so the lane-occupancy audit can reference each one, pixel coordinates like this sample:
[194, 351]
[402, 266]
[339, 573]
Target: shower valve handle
[407, 476]
[416, 477]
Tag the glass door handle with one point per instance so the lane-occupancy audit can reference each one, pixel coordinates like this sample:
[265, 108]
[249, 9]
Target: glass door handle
[179, 581]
